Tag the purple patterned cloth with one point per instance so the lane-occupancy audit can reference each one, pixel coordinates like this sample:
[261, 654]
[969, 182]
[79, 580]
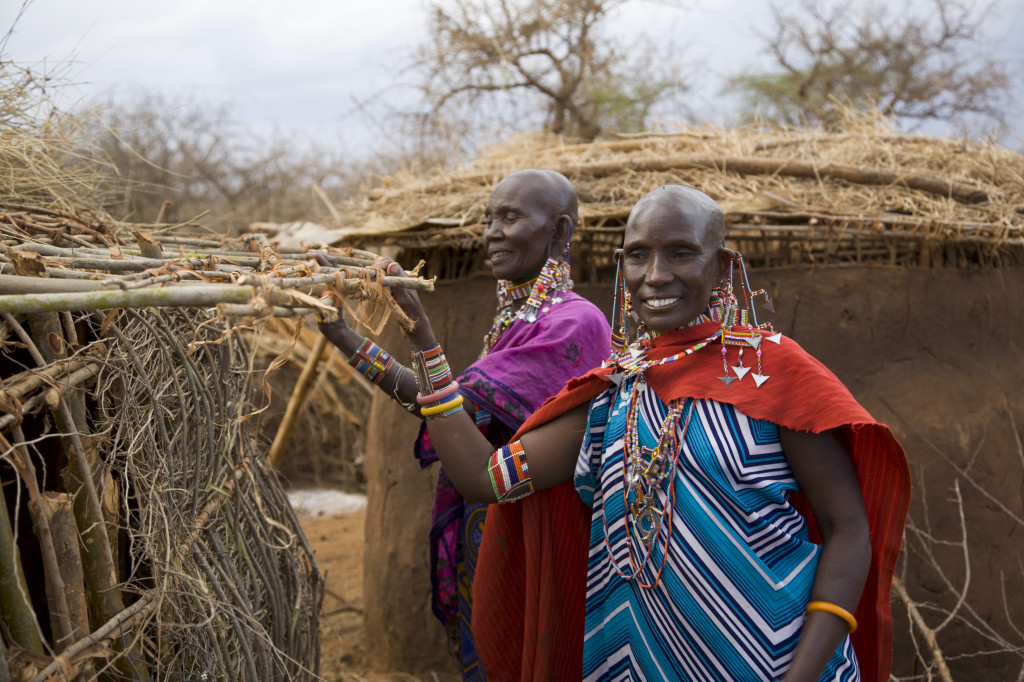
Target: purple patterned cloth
[529, 363]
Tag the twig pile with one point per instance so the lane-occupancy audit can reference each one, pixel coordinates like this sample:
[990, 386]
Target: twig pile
[213, 574]
[147, 535]
[55, 261]
[867, 194]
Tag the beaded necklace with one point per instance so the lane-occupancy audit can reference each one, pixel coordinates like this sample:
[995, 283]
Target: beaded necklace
[540, 293]
[644, 471]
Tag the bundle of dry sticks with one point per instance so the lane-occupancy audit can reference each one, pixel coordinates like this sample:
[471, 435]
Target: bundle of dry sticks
[142, 533]
[55, 261]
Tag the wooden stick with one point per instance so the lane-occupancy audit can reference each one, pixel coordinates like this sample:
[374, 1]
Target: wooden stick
[61, 517]
[55, 594]
[929, 635]
[76, 378]
[744, 166]
[322, 195]
[15, 607]
[291, 413]
[196, 296]
[242, 310]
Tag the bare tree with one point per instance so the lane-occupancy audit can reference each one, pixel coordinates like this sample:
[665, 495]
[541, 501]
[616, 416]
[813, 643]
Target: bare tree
[505, 61]
[177, 160]
[908, 60]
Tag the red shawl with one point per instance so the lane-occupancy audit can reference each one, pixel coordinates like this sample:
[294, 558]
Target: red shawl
[519, 640]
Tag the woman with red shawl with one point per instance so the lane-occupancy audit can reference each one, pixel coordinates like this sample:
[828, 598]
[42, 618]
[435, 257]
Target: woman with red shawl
[745, 511]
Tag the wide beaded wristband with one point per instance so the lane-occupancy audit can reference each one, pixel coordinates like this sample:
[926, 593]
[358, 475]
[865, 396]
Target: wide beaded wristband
[436, 384]
[509, 473]
[835, 610]
[371, 361]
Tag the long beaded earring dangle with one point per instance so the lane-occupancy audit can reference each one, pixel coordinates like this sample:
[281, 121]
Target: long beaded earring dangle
[568, 243]
[620, 304]
[738, 331]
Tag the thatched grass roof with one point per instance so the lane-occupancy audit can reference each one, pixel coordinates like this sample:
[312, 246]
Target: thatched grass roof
[863, 193]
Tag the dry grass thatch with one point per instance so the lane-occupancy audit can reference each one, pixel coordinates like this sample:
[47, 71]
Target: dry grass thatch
[865, 194]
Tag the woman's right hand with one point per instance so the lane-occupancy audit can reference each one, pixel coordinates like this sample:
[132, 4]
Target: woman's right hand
[332, 330]
[325, 259]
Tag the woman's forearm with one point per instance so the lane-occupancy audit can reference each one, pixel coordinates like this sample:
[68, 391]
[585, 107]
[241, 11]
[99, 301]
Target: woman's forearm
[839, 580]
[826, 475]
[397, 382]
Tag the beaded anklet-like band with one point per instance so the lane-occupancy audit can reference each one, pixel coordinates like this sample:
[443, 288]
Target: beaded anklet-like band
[835, 610]
[436, 384]
[510, 474]
[371, 361]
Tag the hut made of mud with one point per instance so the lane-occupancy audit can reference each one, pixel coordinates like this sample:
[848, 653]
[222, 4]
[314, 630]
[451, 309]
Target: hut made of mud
[895, 259]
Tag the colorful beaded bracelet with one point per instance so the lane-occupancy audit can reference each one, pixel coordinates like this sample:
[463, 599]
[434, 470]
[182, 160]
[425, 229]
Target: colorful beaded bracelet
[443, 409]
[370, 360]
[435, 397]
[509, 473]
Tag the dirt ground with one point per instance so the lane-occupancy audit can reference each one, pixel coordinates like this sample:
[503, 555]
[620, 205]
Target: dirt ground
[338, 542]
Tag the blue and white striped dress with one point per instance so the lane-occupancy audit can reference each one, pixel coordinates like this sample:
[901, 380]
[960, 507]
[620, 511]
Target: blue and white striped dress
[730, 601]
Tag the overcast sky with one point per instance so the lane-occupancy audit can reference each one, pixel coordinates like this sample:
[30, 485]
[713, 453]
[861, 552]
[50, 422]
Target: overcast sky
[304, 64]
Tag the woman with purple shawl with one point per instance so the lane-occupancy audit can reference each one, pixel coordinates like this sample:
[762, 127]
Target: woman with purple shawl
[543, 335]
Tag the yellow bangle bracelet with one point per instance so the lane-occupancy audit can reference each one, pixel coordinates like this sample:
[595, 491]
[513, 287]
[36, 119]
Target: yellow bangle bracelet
[443, 407]
[829, 607]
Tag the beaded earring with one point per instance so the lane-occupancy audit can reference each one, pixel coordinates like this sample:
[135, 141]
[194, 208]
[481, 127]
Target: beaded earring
[619, 298]
[738, 331]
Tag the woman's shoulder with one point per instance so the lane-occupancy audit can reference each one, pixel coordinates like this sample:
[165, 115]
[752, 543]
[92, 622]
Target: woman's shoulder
[584, 310]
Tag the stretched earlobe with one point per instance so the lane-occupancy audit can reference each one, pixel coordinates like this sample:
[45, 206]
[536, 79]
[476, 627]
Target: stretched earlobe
[560, 240]
[726, 257]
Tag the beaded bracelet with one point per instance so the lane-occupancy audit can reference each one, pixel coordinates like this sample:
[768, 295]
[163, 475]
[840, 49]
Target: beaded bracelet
[445, 409]
[371, 361]
[431, 370]
[443, 393]
[436, 384]
[509, 473]
[835, 610]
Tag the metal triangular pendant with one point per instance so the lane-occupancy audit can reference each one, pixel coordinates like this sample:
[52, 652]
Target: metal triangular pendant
[741, 371]
[755, 340]
[769, 304]
[760, 379]
[616, 378]
[776, 338]
[727, 380]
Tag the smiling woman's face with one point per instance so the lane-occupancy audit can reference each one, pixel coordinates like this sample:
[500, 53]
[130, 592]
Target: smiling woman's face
[671, 261]
[522, 225]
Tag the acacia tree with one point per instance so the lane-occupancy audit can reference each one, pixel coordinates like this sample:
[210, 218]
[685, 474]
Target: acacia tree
[907, 60]
[505, 61]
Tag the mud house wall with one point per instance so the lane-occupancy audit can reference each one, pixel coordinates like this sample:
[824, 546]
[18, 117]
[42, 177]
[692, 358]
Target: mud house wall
[936, 354]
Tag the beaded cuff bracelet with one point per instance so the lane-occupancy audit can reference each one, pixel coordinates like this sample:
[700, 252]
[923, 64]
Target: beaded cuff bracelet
[436, 384]
[510, 474]
[435, 397]
[371, 361]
